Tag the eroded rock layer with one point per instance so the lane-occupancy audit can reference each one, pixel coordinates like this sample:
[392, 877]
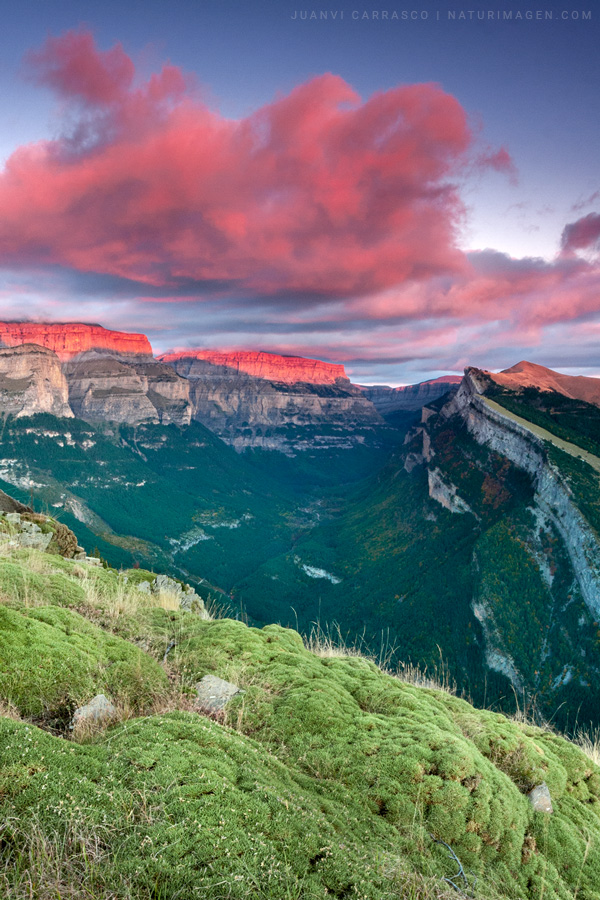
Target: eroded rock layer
[31, 381]
[71, 338]
[251, 410]
[269, 366]
[116, 389]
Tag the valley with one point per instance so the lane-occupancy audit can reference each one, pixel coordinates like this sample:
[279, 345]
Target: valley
[455, 524]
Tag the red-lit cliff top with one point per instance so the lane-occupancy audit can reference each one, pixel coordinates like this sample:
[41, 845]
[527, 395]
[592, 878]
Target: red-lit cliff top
[69, 339]
[526, 374]
[270, 366]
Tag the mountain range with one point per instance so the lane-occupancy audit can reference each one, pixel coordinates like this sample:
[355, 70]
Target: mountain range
[456, 518]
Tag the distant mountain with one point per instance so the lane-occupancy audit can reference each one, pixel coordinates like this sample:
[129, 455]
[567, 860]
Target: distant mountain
[479, 537]
[31, 381]
[525, 374]
[275, 402]
[388, 400]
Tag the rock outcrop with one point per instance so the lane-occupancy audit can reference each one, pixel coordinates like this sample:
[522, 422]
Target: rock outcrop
[409, 396]
[445, 493]
[71, 338]
[31, 381]
[125, 389]
[254, 399]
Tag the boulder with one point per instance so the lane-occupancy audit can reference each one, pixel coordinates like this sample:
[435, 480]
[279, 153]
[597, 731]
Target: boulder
[540, 798]
[214, 693]
[34, 540]
[99, 711]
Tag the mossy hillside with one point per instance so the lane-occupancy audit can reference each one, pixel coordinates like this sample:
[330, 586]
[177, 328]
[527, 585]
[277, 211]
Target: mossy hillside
[335, 778]
[186, 807]
[52, 660]
[412, 755]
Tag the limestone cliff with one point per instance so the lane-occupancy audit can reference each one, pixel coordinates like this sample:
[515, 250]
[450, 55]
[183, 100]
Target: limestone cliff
[126, 389]
[553, 496]
[254, 399]
[31, 381]
[71, 338]
[257, 364]
[409, 396]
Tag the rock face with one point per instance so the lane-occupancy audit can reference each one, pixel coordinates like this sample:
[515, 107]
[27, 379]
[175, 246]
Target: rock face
[268, 366]
[258, 410]
[132, 390]
[410, 396]
[70, 338]
[553, 496]
[445, 493]
[31, 381]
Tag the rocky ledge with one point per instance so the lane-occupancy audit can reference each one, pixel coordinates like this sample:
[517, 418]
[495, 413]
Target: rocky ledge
[71, 338]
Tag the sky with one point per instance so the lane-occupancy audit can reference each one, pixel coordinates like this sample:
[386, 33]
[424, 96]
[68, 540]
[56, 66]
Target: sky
[407, 188]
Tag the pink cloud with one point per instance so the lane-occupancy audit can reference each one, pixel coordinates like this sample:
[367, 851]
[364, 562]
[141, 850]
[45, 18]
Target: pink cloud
[582, 234]
[74, 68]
[317, 192]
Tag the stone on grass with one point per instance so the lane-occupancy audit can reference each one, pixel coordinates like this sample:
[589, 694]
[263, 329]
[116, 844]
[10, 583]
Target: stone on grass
[30, 527]
[540, 798]
[35, 540]
[98, 711]
[214, 693]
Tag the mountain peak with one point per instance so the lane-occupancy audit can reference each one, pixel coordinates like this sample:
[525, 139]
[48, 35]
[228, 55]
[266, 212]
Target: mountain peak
[68, 339]
[528, 374]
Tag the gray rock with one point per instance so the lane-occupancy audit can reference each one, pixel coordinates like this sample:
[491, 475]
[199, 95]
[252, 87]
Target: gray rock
[35, 541]
[144, 587]
[166, 585]
[98, 711]
[214, 693]
[93, 561]
[30, 527]
[13, 518]
[540, 798]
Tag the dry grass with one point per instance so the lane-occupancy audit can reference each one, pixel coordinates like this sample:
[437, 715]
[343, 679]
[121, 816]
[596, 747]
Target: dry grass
[66, 867]
[329, 642]
[435, 678]
[589, 742]
[528, 714]
[8, 711]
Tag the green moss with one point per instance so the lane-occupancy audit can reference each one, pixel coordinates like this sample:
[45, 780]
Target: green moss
[52, 659]
[332, 783]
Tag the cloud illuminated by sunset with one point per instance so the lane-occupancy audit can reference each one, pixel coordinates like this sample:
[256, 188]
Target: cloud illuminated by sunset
[316, 192]
[322, 215]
